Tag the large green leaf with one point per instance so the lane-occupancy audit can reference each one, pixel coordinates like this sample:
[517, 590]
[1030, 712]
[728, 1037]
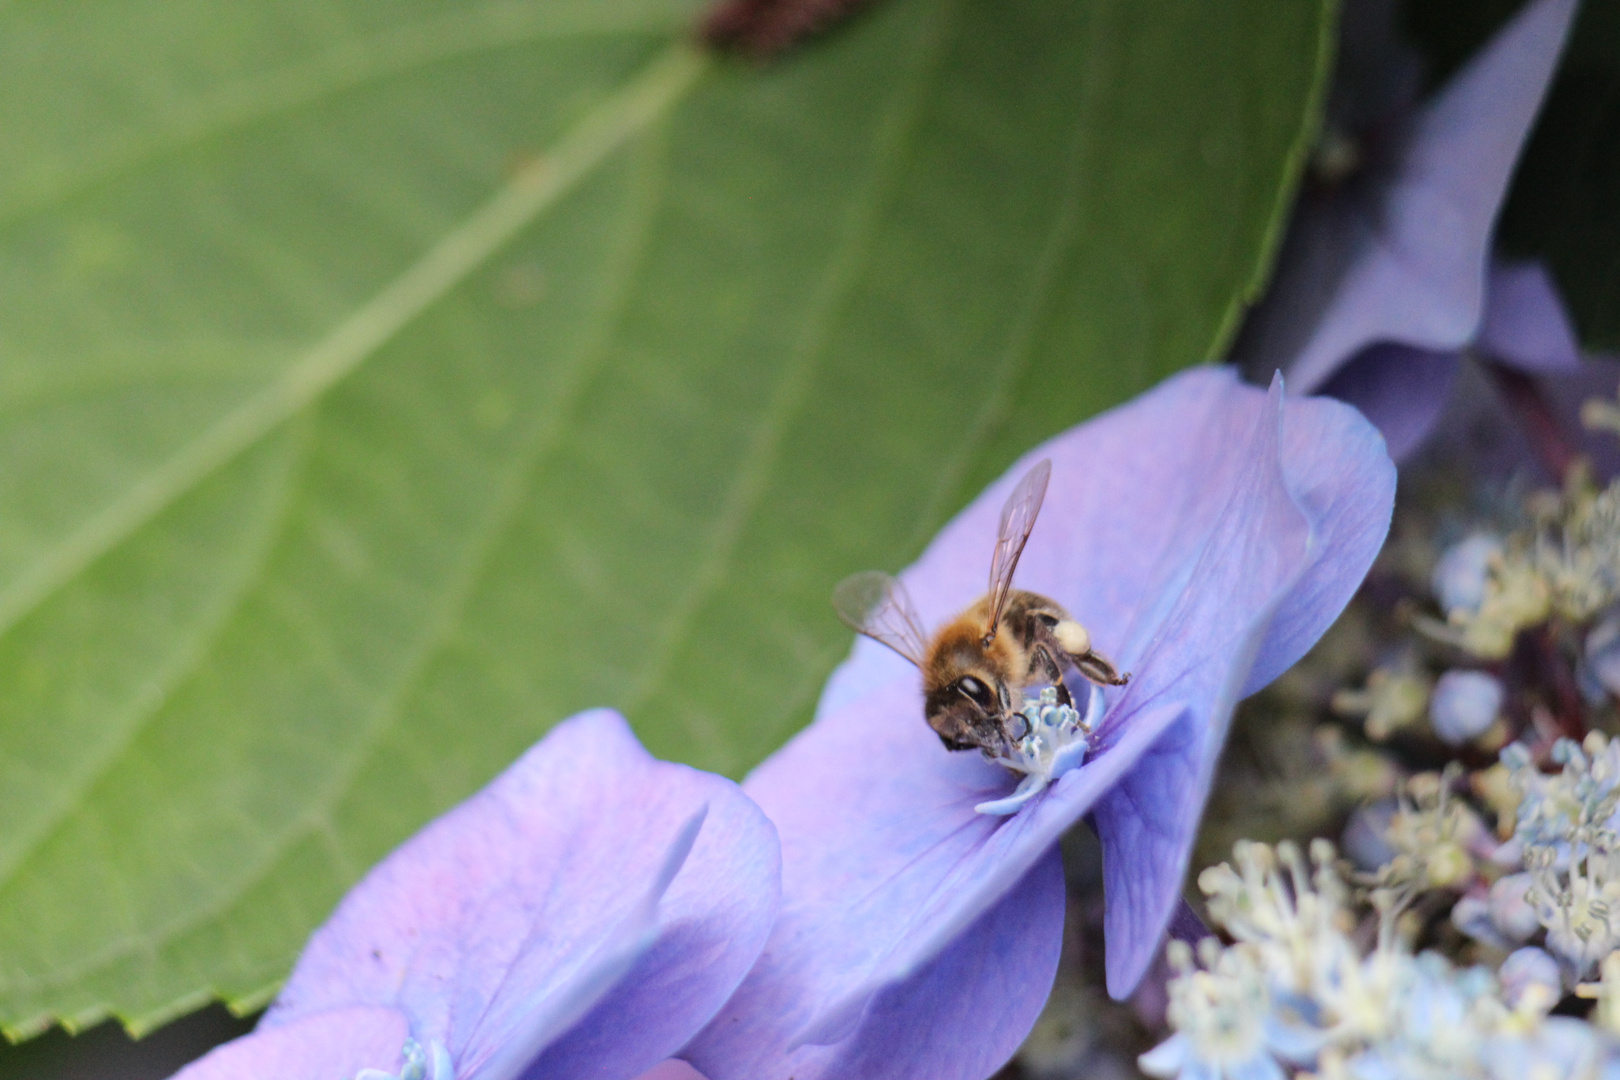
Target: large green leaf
[380, 383]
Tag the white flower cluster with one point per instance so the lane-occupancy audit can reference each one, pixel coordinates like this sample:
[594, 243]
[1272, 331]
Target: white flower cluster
[1565, 563]
[1566, 829]
[1294, 995]
[1431, 837]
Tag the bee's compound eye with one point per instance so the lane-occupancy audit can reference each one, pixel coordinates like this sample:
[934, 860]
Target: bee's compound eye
[975, 690]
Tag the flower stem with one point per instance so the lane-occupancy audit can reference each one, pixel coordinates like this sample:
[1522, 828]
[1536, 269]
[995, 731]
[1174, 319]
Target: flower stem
[1535, 418]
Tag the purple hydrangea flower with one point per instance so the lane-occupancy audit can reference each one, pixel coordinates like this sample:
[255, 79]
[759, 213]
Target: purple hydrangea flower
[583, 915]
[1206, 534]
[1386, 280]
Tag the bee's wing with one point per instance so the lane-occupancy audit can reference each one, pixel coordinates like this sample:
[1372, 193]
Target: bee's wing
[875, 604]
[1017, 519]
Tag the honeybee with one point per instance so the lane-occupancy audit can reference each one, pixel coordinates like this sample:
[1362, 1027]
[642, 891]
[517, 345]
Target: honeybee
[976, 667]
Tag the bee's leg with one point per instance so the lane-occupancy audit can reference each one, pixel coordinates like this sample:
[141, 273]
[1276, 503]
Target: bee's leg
[1099, 669]
[995, 734]
[1073, 644]
[1059, 662]
[1051, 659]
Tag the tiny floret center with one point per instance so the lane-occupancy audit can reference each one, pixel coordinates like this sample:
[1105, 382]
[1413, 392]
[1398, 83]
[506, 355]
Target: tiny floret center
[429, 1063]
[1055, 739]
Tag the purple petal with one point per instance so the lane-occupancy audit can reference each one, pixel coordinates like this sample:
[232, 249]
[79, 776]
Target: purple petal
[558, 907]
[1339, 473]
[672, 1070]
[1251, 611]
[1105, 541]
[1191, 545]
[1146, 834]
[1402, 390]
[1255, 549]
[330, 1045]
[960, 1017]
[1526, 325]
[1401, 256]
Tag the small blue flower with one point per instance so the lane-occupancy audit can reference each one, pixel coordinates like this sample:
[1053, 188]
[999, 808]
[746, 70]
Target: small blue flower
[1366, 835]
[1602, 657]
[1464, 705]
[1530, 971]
[1225, 1024]
[1056, 741]
[1511, 913]
[1568, 827]
[418, 1064]
[1296, 989]
[1459, 577]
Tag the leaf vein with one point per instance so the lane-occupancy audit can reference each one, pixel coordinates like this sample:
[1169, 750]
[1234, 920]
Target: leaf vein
[157, 691]
[545, 435]
[348, 67]
[903, 112]
[534, 189]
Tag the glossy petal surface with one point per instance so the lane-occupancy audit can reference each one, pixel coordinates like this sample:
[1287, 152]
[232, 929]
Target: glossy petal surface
[1206, 534]
[564, 914]
[330, 1045]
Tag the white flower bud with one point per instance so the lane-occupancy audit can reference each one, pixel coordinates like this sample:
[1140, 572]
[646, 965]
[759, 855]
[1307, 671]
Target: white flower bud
[1464, 706]
[1460, 575]
[1512, 915]
[1531, 971]
[1603, 654]
[1472, 916]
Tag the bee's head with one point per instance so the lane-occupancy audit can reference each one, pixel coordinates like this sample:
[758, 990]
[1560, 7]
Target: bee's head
[969, 710]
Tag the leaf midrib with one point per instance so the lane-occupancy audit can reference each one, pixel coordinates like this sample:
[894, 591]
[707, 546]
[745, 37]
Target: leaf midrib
[531, 191]
[347, 67]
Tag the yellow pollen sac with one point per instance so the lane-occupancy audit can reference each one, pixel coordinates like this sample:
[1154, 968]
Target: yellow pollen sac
[1073, 637]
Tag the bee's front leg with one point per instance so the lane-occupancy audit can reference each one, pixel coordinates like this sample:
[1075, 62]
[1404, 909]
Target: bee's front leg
[1069, 641]
[1050, 659]
[1050, 662]
[1099, 669]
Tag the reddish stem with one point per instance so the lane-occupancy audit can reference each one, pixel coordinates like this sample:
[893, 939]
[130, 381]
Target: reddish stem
[1535, 416]
[1559, 679]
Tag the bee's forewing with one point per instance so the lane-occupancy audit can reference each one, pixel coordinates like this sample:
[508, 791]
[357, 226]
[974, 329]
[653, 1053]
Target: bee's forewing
[1017, 519]
[877, 605]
